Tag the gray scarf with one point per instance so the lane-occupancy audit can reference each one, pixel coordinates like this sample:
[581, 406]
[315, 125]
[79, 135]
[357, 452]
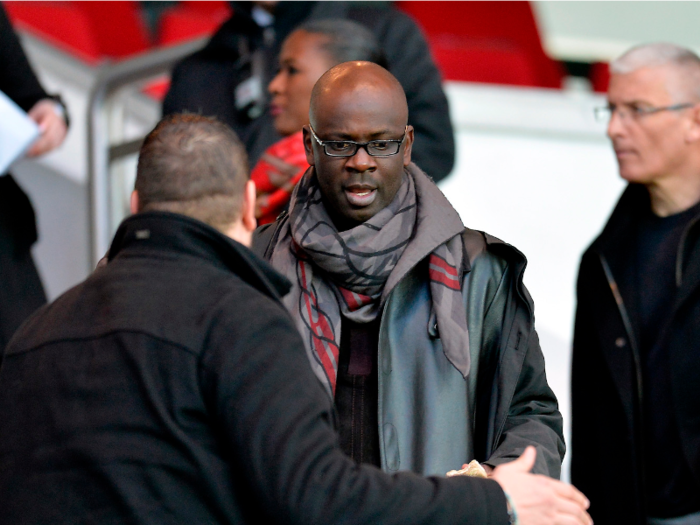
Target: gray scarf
[351, 273]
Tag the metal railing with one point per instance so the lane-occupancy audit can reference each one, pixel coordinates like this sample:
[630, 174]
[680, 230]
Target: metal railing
[105, 127]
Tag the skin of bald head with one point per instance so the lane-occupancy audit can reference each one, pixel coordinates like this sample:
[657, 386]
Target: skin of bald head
[359, 102]
[358, 73]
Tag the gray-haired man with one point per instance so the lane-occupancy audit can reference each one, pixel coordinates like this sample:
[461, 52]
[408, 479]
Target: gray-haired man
[636, 361]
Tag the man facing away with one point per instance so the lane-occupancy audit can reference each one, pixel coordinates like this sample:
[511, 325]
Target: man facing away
[172, 386]
[420, 330]
[636, 357]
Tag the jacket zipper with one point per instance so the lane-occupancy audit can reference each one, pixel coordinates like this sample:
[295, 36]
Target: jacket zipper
[638, 373]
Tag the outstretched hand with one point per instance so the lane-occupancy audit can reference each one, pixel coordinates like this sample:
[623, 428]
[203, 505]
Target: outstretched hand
[539, 500]
[52, 127]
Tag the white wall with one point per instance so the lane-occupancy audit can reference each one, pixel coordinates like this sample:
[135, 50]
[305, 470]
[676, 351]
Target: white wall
[591, 31]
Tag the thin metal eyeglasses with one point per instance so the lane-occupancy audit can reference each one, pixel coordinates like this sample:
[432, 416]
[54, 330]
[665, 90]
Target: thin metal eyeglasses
[348, 148]
[633, 111]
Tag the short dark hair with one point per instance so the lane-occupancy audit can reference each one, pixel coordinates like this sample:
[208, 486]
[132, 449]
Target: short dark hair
[347, 41]
[193, 165]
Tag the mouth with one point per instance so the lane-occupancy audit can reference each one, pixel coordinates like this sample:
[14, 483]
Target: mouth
[360, 196]
[621, 150]
[624, 153]
[275, 110]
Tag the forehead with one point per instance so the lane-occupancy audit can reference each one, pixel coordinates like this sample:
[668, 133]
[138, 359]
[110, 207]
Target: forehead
[647, 84]
[301, 44]
[360, 110]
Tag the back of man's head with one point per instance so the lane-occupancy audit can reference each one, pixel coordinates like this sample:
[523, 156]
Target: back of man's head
[193, 165]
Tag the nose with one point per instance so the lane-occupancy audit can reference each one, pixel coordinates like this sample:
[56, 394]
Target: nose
[616, 126]
[275, 85]
[361, 161]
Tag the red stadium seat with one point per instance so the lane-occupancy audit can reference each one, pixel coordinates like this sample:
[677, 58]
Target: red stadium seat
[482, 31]
[59, 23]
[190, 20]
[599, 76]
[492, 64]
[118, 27]
[207, 7]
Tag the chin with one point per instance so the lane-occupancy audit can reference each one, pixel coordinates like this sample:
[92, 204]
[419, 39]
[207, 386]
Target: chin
[633, 174]
[636, 177]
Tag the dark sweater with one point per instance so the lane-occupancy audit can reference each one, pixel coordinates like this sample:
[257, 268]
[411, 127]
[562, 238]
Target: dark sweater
[669, 490]
[172, 387]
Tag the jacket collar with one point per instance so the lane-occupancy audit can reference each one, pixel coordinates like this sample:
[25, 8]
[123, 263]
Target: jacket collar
[632, 205]
[159, 231]
[615, 244]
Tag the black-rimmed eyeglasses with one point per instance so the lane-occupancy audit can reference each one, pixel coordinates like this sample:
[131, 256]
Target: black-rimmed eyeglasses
[634, 111]
[348, 148]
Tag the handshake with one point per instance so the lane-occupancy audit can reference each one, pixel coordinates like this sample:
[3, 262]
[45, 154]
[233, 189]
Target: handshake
[532, 499]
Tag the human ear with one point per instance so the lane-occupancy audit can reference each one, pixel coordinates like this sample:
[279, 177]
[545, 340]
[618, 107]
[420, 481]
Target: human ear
[308, 146]
[693, 132]
[248, 216]
[408, 146]
[134, 202]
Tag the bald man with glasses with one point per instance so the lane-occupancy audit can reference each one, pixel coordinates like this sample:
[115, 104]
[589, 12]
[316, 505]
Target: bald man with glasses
[636, 357]
[419, 329]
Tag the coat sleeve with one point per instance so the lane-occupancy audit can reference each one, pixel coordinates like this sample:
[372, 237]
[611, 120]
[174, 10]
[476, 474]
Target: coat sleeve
[412, 64]
[17, 79]
[277, 422]
[526, 410]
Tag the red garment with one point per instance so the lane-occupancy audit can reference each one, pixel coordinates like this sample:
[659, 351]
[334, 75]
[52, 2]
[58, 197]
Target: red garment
[275, 175]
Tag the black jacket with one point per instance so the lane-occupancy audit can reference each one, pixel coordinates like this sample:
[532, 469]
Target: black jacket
[172, 387]
[17, 79]
[205, 81]
[607, 445]
[21, 291]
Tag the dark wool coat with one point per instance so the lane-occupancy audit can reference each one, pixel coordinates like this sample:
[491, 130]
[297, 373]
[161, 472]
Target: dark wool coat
[205, 81]
[607, 390]
[172, 387]
[21, 291]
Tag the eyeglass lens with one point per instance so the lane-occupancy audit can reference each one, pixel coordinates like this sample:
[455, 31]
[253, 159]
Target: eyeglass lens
[376, 148]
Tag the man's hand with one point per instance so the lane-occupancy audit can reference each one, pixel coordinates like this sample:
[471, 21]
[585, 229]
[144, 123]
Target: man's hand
[52, 127]
[538, 499]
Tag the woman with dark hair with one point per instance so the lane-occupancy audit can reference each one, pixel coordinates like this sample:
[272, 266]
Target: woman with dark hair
[227, 78]
[306, 54]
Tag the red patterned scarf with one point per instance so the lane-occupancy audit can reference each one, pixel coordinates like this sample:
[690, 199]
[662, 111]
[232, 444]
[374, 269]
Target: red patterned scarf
[351, 273]
[276, 174]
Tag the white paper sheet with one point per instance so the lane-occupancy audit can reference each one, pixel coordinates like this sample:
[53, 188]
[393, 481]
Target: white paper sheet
[17, 132]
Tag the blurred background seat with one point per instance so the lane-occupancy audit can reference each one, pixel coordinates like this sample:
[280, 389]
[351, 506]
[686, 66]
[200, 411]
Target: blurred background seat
[503, 36]
[60, 24]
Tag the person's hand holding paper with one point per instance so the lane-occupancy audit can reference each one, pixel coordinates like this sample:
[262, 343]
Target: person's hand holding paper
[36, 133]
[52, 127]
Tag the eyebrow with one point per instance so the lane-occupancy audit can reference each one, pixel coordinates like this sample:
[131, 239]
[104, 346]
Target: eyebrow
[631, 103]
[373, 136]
